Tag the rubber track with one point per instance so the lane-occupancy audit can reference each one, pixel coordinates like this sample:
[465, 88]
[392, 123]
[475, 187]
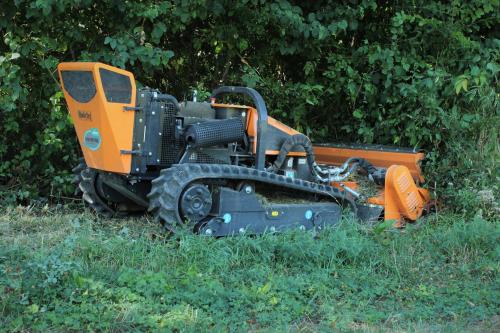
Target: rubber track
[84, 180]
[77, 177]
[90, 196]
[168, 187]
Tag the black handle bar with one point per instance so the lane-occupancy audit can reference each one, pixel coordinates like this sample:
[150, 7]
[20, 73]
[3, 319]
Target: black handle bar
[260, 106]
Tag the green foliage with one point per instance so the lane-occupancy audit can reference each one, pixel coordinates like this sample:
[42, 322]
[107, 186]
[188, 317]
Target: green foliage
[69, 273]
[410, 73]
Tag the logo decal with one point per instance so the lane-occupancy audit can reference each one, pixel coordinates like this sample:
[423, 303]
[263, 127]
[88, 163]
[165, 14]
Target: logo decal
[92, 139]
[84, 115]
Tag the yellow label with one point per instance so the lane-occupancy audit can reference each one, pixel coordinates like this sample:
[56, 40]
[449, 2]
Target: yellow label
[275, 213]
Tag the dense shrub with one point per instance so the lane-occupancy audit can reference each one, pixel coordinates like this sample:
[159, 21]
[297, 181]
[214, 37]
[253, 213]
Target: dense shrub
[411, 73]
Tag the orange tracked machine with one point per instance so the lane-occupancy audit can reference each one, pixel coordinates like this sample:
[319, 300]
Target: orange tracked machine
[222, 169]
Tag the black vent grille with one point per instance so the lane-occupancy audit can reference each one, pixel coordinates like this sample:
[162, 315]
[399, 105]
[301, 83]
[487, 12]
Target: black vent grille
[170, 147]
[199, 157]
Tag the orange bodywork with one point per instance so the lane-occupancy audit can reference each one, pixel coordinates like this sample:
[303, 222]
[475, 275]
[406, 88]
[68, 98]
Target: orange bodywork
[402, 198]
[252, 131]
[379, 158]
[103, 128]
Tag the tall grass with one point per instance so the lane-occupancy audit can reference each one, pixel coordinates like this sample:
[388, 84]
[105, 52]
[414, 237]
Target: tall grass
[73, 272]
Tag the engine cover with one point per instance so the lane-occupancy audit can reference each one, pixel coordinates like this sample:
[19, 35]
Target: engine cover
[98, 96]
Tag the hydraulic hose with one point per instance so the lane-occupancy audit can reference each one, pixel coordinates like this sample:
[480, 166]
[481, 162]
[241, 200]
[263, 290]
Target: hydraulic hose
[328, 174]
[297, 140]
[365, 165]
[375, 175]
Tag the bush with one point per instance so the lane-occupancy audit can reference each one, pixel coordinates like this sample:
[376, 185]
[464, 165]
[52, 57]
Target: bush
[411, 73]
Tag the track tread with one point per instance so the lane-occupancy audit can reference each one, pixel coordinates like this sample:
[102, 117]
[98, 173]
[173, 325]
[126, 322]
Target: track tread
[169, 185]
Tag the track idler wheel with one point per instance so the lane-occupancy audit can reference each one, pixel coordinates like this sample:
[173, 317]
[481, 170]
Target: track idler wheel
[196, 203]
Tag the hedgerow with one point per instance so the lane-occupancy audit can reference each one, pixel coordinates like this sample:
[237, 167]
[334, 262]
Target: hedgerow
[411, 73]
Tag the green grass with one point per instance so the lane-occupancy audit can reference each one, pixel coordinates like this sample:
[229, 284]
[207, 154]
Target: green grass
[72, 272]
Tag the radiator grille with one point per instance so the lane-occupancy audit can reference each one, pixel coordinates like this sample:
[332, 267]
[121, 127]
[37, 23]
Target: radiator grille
[170, 147]
[199, 157]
